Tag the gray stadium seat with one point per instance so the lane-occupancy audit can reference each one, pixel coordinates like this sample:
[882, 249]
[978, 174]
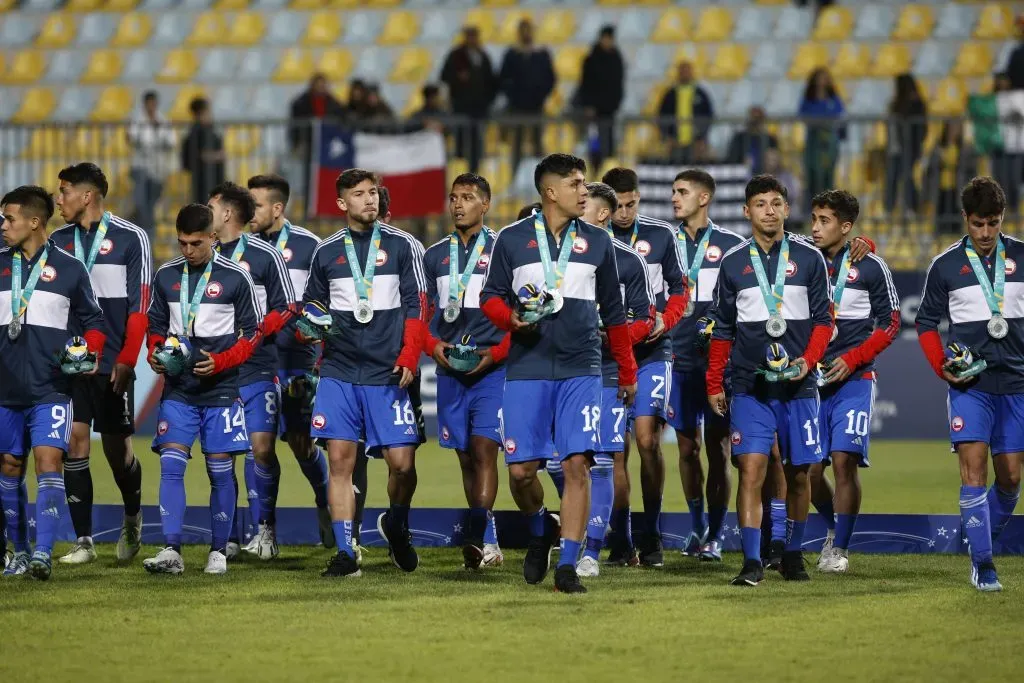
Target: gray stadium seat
[73, 102]
[955, 20]
[784, 99]
[874, 22]
[770, 60]
[396, 95]
[195, 5]
[269, 4]
[8, 106]
[65, 67]
[794, 23]
[870, 97]
[230, 103]
[285, 28]
[96, 28]
[157, 5]
[637, 91]
[751, 22]
[18, 172]
[257, 64]
[18, 29]
[272, 102]
[362, 28]
[171, 28]
[742, 97]
[651, 62]
[440, 27]
[719, 93]
[40, 5]
[375, 63]
[633, 25]
[217, 66]
[141, 65]
[591, 22]
[934, 58]
[1003, 56]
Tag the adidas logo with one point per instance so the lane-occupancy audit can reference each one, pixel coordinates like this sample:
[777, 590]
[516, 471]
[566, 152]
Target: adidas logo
[748, 270]
[617, 439]
[52, 512]
[597, 521]
[11, 513]
[409, 431]
[965, 270]
[858, 441]
[240, 437]
[164, 512]
[251, 494]
[973, 523]
[221, 517]
[74, 499]
[532, 244]
[54, 435]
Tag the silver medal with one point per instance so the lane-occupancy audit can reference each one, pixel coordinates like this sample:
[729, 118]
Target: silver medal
[998, 327]
[690, 307]
[776, 326]
[14, 329]
[451, 312]
[556, 300]
[364, 311]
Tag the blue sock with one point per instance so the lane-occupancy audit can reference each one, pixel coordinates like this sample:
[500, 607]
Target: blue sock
[795, 539]
[252, 489]
[477, 523]
[569, 553]
[750, 539]
[491, 533]
[844, 531]
[716, 520]
[828, 513]
[23, 513]
[602, 493]
[1000, 507]
[398, 516]
[314, 469]
[268, 481]
[778, 514]
[10, 500]
[697, 522]
[652, 515]
[622, 524]
[554, 469]
[51, 501]
[172, 493]
[343, 536]
[222, 500]
[537, 523]
[975, 522]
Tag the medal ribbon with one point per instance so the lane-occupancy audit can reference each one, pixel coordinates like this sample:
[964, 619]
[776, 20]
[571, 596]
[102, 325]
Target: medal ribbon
[363, 277]
[97, 242]
[189, 310]
[553, 276]
[282, 237]
[772, 295]
[20, 297]
[693, 270]
[457, 283]
[993, 295]
[243, 243]
[840, 283]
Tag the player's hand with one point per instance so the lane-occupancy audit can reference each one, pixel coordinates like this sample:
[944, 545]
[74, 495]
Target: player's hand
[718, 404]
[802, 364]
[438, 354]
[518, 325]
[838, 371]
[120, 375]
[947, 374]
[158, 368]
[859, 248]
[204, 368]
[659, 328]
[486, 361]
[406, 375]
[627, 394]
[603, 336]
[303, 339]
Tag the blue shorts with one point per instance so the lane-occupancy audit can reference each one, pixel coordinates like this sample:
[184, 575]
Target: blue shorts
[688, 406]
[262, 401]
[614, 422]
[380, 414]
[539, 413]
[47, 424]
[845, 420]
[653, 390]
[221, 429]
[995, 419]
[469, 410]
[756, 423]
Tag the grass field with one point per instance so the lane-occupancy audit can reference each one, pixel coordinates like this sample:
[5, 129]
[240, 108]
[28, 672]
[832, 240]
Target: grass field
[893, 617]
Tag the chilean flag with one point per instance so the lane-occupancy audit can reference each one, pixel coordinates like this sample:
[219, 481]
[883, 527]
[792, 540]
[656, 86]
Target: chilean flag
[411, 165]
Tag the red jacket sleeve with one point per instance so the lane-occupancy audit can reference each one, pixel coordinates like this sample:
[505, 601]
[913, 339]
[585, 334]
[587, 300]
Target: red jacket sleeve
[639, 329]
[94, 340]
[412, 343]
[134, 334]
[718, 358]
[931, 344]
[274, 322]
[622, 351]
[155, 340]
[869, 349]
[429, 343]
[498, 312]
[815, 351]
[235, 356]
[675, 307]
[499, 352]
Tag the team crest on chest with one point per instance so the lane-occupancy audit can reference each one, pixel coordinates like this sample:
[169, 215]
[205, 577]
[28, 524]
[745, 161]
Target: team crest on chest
[643, 247]
[1010, 266]
[49, 274]
[580, 246]
[483, 261]
[287, 254]
[106, 246]
[790, 268]
[214, 289]
[713, 253]
[382, 258]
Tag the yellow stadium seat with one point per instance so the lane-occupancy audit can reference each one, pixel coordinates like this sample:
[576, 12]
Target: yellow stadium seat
[26, 67]
[296, 66]
[499, 3]
[915, 23]
[112, 104]
[555, 104]
[133, 30]
[730, 62]
[483, 20]
[640, 139]
[120, 5]
[307, 4]
[412, 66]
[335, 63]
[696, 55]
[414, 103]
[891, 59]
[104, 67]
[343, 4]
[569, 63]
[774, 2]
[401, 28]
[209, 29]
[323, 29]
[179, 66]
[995, 22]
[614, 2]
[241, 141]
[58, 30]
[556, 27]
[674, 26]
[36, 105]
[714, 25]
[246, 29]
[508, 30]
[179, 108]
[82, 5]
[949, 98]
[561, 135]
[3, 64]
[6, 5]
[228, 5]
[383, 4]
[808, 57]
[973, 60]
[45, 143]
[835, 22]
[851, 61]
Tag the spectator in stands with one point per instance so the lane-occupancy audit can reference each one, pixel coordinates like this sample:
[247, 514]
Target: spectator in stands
[600, 93]
[315, 103]
[748, 146]
[907, 130]
[527, 79]
[794, 188]
[1015, 66]
[1008, 150]
[377, 109]
[685, 113]
[202, 152]
[821, 107]
[472, 86]
[431, 115]
[152, 141]
[356, 107]
[953, 162]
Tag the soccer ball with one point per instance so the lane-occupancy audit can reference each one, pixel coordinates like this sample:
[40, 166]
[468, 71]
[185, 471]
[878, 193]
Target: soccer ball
[777, 358]
[76, 350]
[177, 346]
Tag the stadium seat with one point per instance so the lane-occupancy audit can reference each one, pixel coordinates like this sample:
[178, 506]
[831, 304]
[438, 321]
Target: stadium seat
[808, 57]
[373, 62]
[296, 66]
[140, 65]
[18, 30]
[499, 3]
[915, 23]
[36, 105]
[508, 28]
[674, 26]
[218, 65]
[120, 6]
[58, 31]
[835, 22]
[335, 63]
[209, 29]
[401, 28]
[974, 59]
[440, 27]
[935, 58]
[178, 110]
[229, 5]
[891, 59]
[730, 62]
[241, 140]
[696, 55]
[343, 4]
[179, 66]
[995, 22]
[256, 63]
[556, 27]
[874, 22]
[632, 28]
[287, 28]
[132, 30]
[569, 62]
[362, 28]
[869, 97]
[231, 103]
[949, 98]
[794, 23]
[383, 4]
[104, 67]
[72, 103]
[46, 142]
[483, 20]
[6, 5]
[246, 29]
[414, 65]
[26, 67]
[771, 60]
[96, 29]
[306, 4]
[714, 25]
[955, 21]
[751, 22]
[851, 61]
[82, 5]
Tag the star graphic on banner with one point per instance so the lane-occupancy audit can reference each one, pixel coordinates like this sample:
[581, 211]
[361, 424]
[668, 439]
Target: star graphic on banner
[337, 148]
[32, 522]
[447, 540]
[965, 541]
[931, 544]
[725, 528]
[457, 528]
[941, 531]
[736, 531]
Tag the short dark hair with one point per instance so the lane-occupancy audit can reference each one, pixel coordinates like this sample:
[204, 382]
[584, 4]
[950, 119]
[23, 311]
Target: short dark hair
[194, 218]
[528, 210]
[198, 105]
[238, 198]
[843, 204]
[149, 95]
[983, 197]
[762, 183]
[607, 30]
[32, 199]
[558, 164]
[697, 176]
[605, 192]
[476, 180]
[621, 179]
[430, 90]
[383, 200]
[278, 186]
[352, 177]
[85, 173]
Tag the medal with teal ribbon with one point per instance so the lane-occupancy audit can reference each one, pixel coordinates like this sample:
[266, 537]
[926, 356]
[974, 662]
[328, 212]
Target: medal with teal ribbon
[363, 277]
[97, 242]
[692, 270]
[457, 283]
[19, 296]
[772, 294]
[282, 237]
[997, 325]
[554, 274]
[243, 244]
[839, 286]
[190, 308]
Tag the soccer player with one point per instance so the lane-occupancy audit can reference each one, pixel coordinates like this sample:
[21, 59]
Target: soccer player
[867, 312]
[771, 298]
[979, 286]
[207, 302]
[701, 247]
[468, 398]
[270, 194]
[233, 210]
[120, 263]
[656, 241]
[370, 276]
[48, 294]
[553, 374]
